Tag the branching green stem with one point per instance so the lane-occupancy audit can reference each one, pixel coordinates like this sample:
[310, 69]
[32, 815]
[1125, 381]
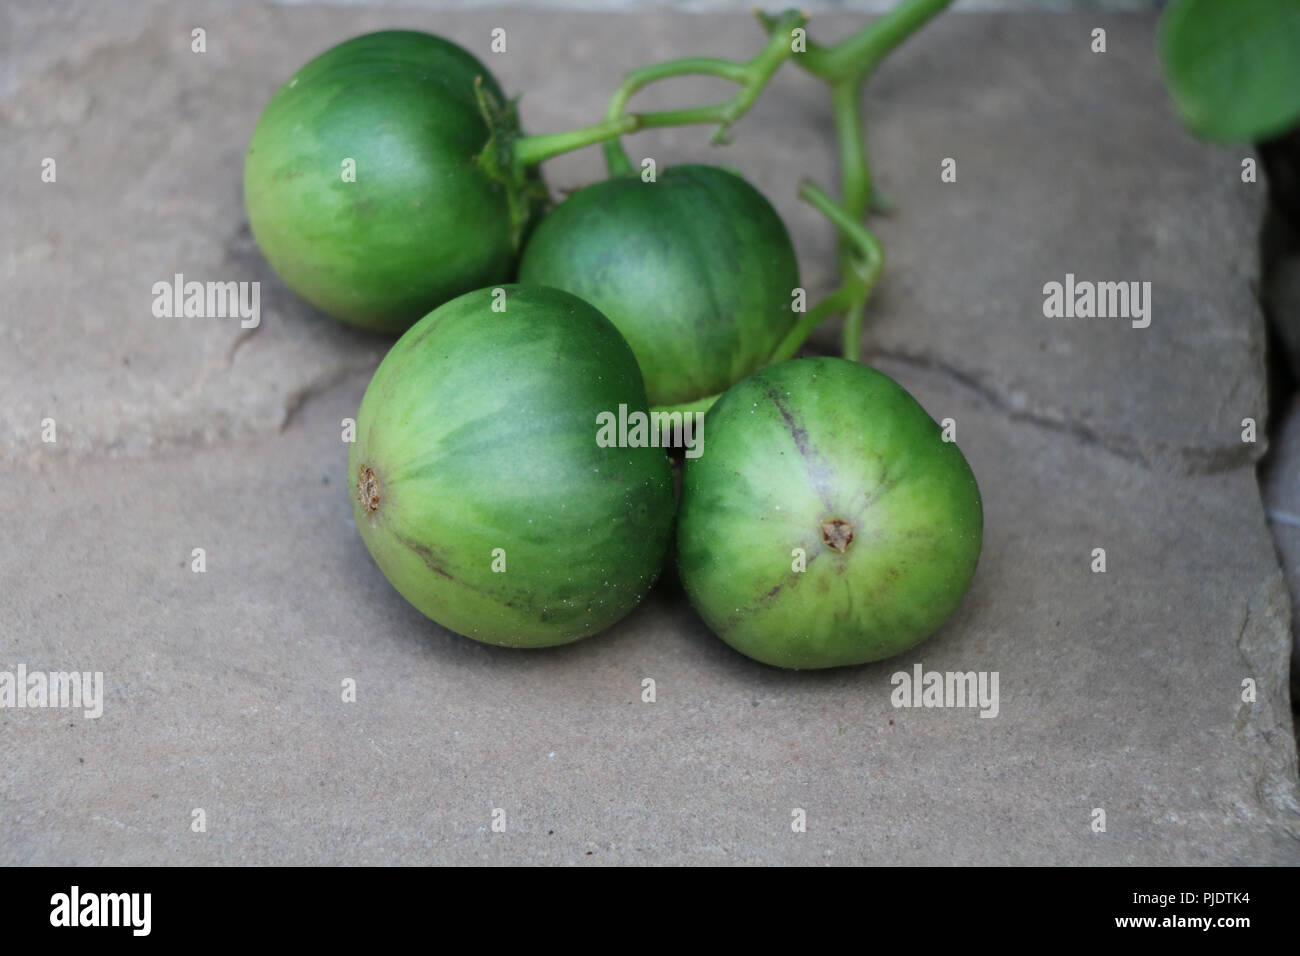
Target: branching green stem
[845, 66]
[860, 53]
[752, 76]
[852, 59]
[861, 260]
[508, 156]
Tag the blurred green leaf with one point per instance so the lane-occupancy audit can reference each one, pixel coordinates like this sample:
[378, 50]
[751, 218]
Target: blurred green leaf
[1233, 66]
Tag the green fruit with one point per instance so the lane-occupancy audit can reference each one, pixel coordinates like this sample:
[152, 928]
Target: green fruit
[836, 459]
[422, 222]
[696, 270]
[476, 445]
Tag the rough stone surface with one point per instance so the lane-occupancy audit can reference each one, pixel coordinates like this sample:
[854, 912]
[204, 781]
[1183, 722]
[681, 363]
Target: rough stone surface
[1101, 181]
[1120, 691]
[1281, 484]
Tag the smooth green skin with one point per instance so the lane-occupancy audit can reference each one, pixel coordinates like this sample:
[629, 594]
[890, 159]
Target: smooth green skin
[796, 445]
[481, 429]
[696, 270]
[422, 223]
[1233, 66]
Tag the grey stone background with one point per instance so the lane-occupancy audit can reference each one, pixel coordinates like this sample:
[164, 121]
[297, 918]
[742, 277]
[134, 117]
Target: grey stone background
[1120, 691]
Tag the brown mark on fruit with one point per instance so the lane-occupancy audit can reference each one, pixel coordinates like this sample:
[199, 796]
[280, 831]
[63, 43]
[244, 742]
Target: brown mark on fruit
[838, 534]
[818, 473]
[368, 489]
[759, 604]
[799, 434]
[883, 487]
[426, 554]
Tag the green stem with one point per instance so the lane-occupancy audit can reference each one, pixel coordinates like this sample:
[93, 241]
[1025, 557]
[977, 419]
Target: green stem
[846, 66]
[752, 76]
[531, 150]
[855, 173]
[869, 258]
[861, 260]
[859, 54]
[851, 59]
[823, 310]
[851, 334]
[859, 250]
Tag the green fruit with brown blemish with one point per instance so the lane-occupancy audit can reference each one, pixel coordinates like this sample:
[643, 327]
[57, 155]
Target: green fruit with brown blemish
[477, 480]
[827, 521]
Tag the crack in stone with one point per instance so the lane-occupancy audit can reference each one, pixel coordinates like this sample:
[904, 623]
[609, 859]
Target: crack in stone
[1191, 460]
[299, 397]
[1257, 723]
[243, 336]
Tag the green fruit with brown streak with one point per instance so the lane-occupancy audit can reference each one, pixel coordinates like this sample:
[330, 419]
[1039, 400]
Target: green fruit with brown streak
[477, 480]
[827, 521]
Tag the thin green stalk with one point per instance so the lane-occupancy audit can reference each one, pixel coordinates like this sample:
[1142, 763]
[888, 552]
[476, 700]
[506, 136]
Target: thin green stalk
[752, 76]
[846, 66]
[851, 59]
[531, 150]
[860, 53]
[856, 193]
[861, 261]
[855, 172]
[851, 334]
[823, 310]
[870, 257]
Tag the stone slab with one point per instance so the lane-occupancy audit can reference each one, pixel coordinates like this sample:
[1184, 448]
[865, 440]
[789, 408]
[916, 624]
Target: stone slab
[1120, 691]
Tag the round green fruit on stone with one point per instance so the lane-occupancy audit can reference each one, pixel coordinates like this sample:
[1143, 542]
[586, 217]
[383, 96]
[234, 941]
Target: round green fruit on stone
[477, 480]
[361, 185]
[827, 522]
[696, 269]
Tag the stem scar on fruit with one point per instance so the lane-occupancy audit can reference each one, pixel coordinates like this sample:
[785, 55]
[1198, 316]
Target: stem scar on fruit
[838, 534]
[368, 489]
